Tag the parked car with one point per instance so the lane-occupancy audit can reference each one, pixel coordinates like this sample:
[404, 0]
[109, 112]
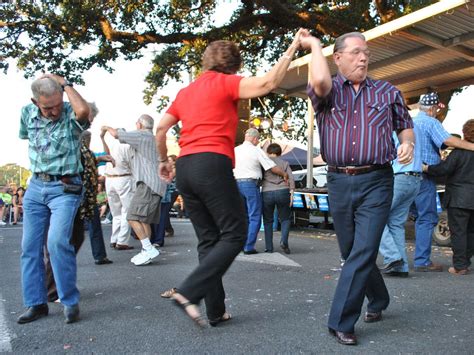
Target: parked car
[319, 177]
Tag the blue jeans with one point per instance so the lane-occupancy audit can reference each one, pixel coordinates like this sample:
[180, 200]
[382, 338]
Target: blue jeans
[250, 193]
[426, 221]
[392, 245]
[280, 199]
[95, 235]
[49, 212]
[158, 230]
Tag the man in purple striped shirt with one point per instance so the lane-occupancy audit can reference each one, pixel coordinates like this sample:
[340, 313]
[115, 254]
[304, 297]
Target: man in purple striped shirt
[356, 116]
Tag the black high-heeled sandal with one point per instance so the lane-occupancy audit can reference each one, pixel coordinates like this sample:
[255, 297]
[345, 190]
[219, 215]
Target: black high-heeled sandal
[224, 318]
[198, 320]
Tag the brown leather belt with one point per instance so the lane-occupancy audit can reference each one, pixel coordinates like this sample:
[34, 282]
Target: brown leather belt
[356, 170]
[120, 175]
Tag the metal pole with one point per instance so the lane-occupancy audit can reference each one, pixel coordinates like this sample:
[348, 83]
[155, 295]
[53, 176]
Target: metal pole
[309, 153]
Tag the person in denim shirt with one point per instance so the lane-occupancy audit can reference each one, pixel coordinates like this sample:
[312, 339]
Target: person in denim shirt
[53, 128]
[406, 184]
[433, 137]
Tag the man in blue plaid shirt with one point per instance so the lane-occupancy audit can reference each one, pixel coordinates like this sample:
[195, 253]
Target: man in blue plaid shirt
[433, 137]
[53, 128]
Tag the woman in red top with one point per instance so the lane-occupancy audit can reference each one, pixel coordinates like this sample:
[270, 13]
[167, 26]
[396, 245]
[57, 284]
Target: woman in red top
[207, 109]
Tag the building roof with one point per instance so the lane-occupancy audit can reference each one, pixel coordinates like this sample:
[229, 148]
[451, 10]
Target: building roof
[429, 49]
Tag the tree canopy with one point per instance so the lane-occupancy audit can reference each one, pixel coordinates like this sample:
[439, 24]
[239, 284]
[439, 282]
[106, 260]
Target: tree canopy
[68, 37]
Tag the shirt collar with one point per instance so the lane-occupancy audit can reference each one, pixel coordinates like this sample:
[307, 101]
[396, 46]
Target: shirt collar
[341, 79]
[35, 113]
[423, 114]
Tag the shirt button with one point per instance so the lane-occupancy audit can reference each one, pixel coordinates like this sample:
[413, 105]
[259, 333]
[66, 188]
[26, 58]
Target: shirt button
[355, 111]
[353, 143]
[355, 126]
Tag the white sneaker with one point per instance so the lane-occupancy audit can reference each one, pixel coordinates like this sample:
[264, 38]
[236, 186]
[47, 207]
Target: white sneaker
[2, 223]
[145, 256]
[106, 221]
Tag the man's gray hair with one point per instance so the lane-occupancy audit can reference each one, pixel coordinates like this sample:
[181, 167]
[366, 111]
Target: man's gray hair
[252, 132]
[93, 110]
[426, 108]
[341, 40]
[46, 87]
[146, 121]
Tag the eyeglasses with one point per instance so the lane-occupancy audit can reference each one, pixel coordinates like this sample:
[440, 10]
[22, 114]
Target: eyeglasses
[357, 51]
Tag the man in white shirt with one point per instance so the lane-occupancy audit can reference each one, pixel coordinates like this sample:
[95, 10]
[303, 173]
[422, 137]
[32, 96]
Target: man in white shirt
[249, 161]
[118, 185]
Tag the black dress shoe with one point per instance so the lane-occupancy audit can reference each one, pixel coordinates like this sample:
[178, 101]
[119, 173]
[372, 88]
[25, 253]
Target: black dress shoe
[103, 261]
[372, 317]
[344, 338]
[391, 265]
[71, 313]
[285, 248]
[33, 313]
[396, 273]
[250, 252]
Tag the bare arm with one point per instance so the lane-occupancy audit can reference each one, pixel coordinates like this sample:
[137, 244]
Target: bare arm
[105, 159]
[320, 76]
[166, 169]
[113, 132]
[456, 142]
[78, 104]
[104, 143]
[407, 145]
[259, 86]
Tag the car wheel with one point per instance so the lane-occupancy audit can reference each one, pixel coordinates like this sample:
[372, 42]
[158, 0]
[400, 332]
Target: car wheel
[441, 232]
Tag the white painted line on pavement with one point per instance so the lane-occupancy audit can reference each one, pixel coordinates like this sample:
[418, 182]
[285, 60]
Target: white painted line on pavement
[5, 338]
[268, 258]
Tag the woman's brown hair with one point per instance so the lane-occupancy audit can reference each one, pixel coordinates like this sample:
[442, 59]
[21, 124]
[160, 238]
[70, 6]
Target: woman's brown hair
[468, 130]
[222, 56]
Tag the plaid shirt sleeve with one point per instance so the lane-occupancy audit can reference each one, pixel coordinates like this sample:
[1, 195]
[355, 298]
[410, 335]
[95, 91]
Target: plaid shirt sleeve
[438, 133]
[23, 124]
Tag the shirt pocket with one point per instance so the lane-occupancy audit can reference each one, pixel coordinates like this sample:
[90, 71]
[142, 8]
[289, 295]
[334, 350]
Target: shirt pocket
[61, 142]
[377, 114]
[337, 117]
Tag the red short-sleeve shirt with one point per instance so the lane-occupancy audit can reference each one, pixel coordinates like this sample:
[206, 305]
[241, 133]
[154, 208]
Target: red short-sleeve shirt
[207, 109]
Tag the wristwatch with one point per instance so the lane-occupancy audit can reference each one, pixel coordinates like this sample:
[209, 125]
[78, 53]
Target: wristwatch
[67, 83]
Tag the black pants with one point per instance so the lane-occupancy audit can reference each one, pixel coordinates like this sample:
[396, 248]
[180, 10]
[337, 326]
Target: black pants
[461, 225]
[360, 206]
[216, 210]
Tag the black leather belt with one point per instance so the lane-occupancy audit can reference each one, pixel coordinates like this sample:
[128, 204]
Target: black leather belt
[357, 169]
[242, 180]
[409, 173]
[47, 178]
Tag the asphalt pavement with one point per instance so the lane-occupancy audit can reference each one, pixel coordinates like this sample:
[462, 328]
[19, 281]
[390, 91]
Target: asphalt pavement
[279, 304]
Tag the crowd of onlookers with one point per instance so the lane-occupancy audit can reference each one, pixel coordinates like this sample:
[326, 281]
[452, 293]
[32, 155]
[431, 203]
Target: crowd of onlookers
[11, 204]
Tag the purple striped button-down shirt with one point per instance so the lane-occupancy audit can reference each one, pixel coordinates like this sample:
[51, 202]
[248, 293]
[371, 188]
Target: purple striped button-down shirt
[355, 128]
